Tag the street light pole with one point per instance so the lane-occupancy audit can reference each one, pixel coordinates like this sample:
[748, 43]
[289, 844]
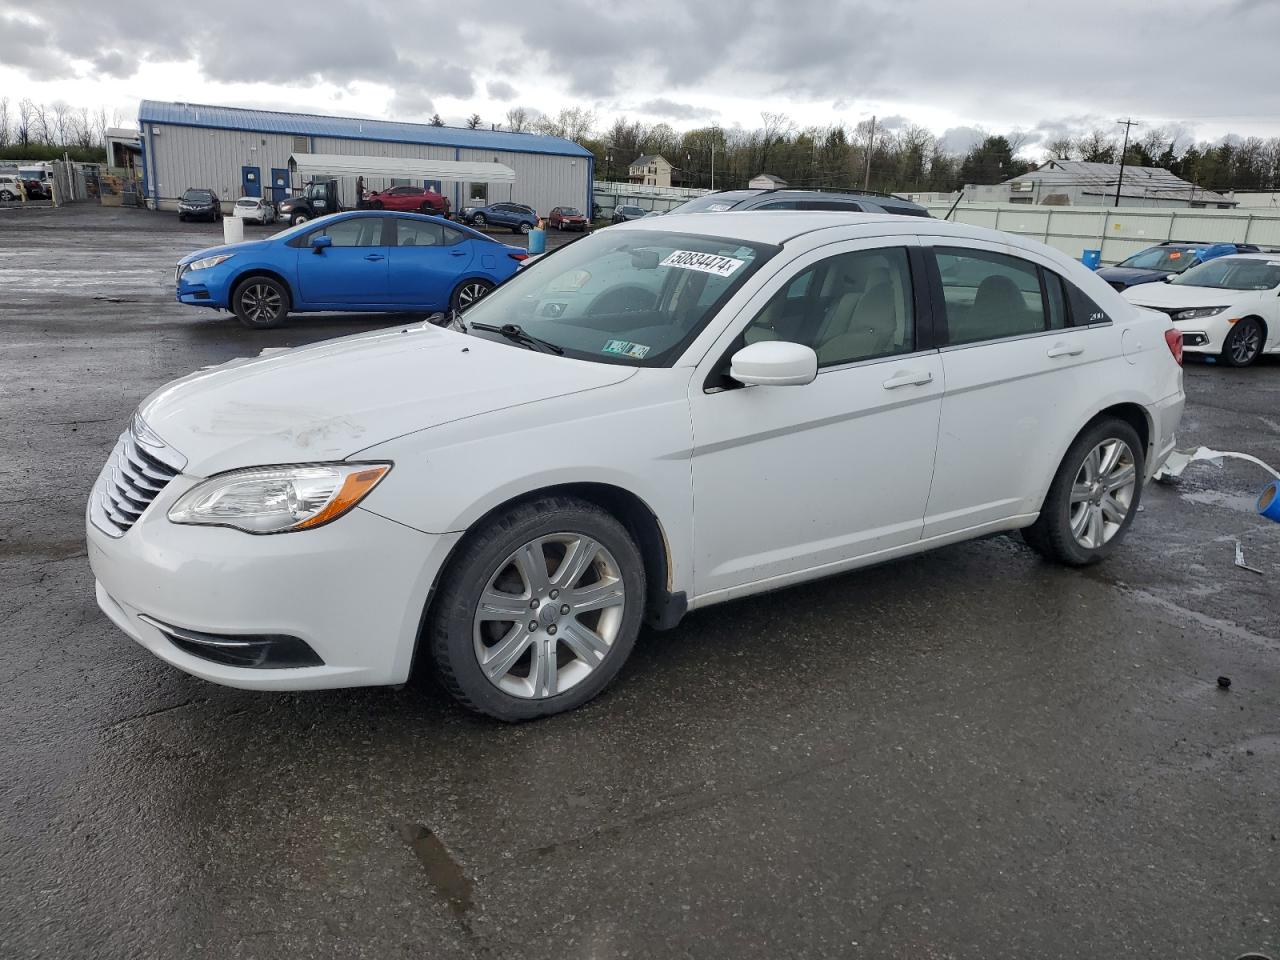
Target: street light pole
[1128, 122]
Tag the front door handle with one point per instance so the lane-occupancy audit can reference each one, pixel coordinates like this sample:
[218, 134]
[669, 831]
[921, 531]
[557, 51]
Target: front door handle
[457, 253]
[908, 378]
[375, 257]
[1065, 350]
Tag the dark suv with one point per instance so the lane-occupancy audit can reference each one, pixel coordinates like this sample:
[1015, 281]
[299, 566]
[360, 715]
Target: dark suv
[850, 201]
[200, 204]
[1165, 259]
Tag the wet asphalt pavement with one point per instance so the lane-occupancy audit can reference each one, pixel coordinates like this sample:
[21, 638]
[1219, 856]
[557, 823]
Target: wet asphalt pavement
[966, 754]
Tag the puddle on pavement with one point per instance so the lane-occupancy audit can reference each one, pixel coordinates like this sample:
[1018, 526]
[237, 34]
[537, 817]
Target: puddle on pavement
[444, 872]
[1216, 498]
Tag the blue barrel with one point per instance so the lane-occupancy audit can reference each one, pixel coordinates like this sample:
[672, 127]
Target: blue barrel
[1091, 259]
[537, 241]
[1269, 502]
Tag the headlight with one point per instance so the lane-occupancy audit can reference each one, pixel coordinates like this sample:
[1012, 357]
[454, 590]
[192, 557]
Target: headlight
[208, 262]
[278, 499]
[1195, 313]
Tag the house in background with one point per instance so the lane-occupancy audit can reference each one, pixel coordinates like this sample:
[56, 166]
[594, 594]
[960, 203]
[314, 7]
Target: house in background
[1076, 183]
[766, 181]
[651, 170]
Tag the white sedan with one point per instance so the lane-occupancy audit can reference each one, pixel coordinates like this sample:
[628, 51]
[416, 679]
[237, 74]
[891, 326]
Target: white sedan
[1228, 307]
[255, 210]
[660, 417]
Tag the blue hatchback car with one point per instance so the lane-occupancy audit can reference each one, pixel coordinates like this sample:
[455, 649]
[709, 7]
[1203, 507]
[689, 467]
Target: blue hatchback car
[364, 260]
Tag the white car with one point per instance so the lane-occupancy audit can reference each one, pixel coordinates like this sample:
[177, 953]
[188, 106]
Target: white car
[662, 416]
[9, 189]
[1228, 307]
[255, 210]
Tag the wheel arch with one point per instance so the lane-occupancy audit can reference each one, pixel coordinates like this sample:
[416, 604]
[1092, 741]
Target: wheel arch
[1127, 411]
[663, 609]
[249, 273]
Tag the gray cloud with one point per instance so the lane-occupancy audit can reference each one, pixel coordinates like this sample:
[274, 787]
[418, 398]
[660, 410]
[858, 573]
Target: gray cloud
[961, 139]
[670, 110]
[500, 90]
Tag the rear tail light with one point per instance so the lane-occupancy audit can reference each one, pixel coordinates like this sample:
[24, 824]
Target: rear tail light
[1174, 339]
[525, 256]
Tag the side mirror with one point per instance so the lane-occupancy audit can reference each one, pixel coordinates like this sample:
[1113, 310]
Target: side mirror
[321, 242]
[1167, 278]
[774, 363]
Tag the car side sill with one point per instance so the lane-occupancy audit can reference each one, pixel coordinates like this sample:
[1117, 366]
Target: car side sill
[866, 560]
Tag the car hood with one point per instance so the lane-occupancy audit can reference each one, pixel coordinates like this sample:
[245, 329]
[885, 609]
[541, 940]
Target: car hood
[331, 400]
[1130, 276]
[1179, 295]
[248, 246]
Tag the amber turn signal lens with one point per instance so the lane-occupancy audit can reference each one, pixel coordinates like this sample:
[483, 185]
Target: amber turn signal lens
[353, 490]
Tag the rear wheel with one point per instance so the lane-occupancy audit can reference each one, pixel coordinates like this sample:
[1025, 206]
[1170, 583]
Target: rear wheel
[1093, 497]
[375, 205]
[523, 228]
[8, 195]
[479, 220]
[538, 611]
[1244, 343]
[468, 292]
[261, 303]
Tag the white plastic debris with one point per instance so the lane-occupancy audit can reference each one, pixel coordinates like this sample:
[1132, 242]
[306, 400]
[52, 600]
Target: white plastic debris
[1240, 560]
[1179, 460]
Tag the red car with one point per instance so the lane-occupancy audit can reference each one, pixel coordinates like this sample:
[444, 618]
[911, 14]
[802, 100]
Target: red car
[567, 218]
[411, 199]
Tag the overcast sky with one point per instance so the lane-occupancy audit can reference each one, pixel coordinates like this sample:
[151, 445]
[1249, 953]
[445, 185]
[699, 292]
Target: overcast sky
[1207, 67]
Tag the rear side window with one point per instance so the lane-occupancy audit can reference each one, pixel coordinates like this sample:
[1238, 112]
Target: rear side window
[845, 206]
[1081, 308]
[987, 296]
[905, 211]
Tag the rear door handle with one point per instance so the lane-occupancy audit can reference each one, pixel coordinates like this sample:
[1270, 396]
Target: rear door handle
[908, 378]
[457, 253]
[375, 257]
[1065, 350]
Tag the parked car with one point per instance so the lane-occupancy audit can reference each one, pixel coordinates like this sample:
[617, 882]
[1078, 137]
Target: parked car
[567, 218]
[517, 216]
[790, 198]
[1228, 307]
[1173, 256]
[625, 212]
[414, 199]
[317, 199]
[38, 189]
[9, 188]
[255, 210]
[199, 205]
[361, 260]
[662, 416]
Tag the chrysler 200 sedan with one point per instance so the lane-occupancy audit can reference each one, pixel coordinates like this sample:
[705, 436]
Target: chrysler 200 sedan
[663, 416]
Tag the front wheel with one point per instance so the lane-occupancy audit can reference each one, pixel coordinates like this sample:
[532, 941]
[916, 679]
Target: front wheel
[538, 611]
[1243, 344]
[468, 292]
[298, 218]
[478, 220]
[261, 303]
[1093, 497]
[523, 228]
[7, 195]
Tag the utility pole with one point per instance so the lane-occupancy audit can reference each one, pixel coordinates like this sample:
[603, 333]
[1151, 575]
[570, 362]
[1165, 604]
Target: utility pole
[871, 143]
[1128, 122]
[713, 158]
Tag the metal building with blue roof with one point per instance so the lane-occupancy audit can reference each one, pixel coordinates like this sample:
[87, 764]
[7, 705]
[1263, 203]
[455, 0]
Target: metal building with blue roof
[241, 152]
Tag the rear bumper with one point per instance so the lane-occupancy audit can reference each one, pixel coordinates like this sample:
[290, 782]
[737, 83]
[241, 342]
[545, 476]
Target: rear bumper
[1165, 417]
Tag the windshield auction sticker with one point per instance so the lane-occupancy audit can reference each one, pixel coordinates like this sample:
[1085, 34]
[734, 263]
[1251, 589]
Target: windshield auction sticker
[636, 351]
[703, 262]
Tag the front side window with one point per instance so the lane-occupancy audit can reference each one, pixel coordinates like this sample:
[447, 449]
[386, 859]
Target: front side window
[987, 296]
[853, 306]
[356, 232]
[635, 298]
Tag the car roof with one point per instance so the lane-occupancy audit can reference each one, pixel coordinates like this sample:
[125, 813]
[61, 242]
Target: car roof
[1273, 257]
[780, 226]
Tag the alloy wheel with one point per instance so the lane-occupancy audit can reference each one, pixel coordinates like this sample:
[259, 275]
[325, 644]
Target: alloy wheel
[479, 220]
[549, 615]
[261, 302]
[1246, 343]
[1102, 493]
[470, 293]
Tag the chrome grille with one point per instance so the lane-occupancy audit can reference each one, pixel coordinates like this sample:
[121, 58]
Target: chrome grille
[141, 465]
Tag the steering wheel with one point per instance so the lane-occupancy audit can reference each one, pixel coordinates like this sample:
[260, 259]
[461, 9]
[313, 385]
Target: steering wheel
[627, 298]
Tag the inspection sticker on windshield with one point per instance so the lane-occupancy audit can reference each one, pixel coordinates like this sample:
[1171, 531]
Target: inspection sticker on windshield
[636, 351]
[705, 262]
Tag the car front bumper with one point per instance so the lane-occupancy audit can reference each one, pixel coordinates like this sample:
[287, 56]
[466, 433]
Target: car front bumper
[353, 591]
[1206, 335]
[205, 288]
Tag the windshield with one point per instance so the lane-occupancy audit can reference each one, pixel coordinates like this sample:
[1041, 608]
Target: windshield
[1168, 259]
[196, 195]
[1232, 273]
[631, 297]
[712, 203]
[569, 212]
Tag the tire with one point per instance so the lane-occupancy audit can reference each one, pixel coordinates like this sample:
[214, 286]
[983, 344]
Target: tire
[261, 303]
[376, 205]
[7, 195]
[1243, 344]
[468, 292]
[1095, 502]
[298, 218]
[588, 649]
[479, 221]
[182, 218]
[522, 228]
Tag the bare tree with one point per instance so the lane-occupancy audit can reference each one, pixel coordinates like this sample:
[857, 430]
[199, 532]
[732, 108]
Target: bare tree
[5, 132]
[517, 119]
[42, 123]
[1061, 148]
[59, 113]
[473, 121]
[26, 122]
[571, 123]
[101, 125]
